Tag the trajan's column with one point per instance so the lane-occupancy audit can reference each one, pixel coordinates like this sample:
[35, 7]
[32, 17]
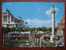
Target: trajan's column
[53, 22]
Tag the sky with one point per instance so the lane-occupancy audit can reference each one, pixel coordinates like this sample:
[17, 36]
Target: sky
[36, 14]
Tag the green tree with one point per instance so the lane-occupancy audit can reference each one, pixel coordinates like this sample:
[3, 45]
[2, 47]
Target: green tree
[6, 29]
[50, 29]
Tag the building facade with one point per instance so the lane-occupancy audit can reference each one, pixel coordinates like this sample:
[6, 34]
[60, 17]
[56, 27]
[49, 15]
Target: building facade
[8, 20]
[60, 33]
[60, 27]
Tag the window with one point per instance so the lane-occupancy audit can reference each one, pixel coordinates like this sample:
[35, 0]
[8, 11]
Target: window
[12, 19]
[5, 19]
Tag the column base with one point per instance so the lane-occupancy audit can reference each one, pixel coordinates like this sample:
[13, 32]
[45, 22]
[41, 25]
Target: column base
[51, 41]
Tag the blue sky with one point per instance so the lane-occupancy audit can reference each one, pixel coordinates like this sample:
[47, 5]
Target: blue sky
[37, 14]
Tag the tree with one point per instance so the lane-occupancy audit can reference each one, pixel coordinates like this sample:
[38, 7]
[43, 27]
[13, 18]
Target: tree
[49, 29]
[6, 29]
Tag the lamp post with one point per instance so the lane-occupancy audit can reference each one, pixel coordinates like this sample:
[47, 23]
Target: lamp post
[53, 23]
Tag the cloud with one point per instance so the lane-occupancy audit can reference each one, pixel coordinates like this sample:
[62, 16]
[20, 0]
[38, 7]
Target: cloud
[38, 23]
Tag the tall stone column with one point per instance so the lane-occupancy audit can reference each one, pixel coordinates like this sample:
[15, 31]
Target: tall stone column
[53, 23]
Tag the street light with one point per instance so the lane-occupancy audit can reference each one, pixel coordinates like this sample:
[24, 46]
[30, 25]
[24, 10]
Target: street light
[53, 22]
